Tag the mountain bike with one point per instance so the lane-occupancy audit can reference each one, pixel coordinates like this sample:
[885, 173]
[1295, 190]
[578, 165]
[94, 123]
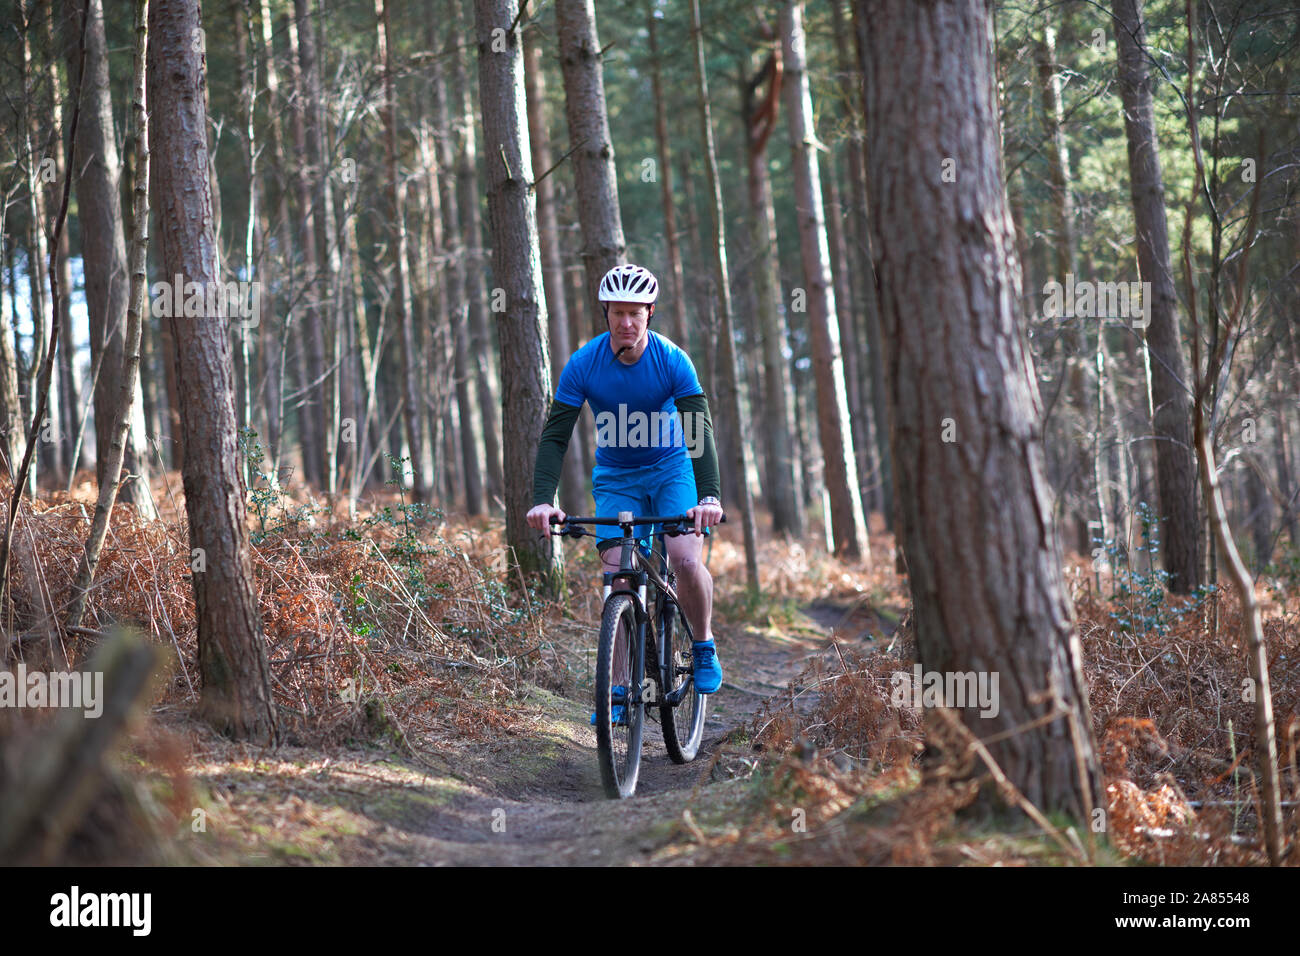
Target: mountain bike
[645, 648]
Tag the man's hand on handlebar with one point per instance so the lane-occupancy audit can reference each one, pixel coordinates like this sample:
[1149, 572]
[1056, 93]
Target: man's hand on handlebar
[705, 516]
[539, 518]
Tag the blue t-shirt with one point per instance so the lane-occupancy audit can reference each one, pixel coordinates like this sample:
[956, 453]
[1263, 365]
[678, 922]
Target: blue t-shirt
[637, 423]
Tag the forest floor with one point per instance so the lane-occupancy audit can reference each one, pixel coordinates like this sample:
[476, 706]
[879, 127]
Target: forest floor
[463, 736]
[522, 786]
[530, 795]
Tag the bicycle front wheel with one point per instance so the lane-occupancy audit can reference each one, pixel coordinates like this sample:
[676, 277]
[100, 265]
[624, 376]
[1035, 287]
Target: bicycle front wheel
[683, 725]
[619, 661]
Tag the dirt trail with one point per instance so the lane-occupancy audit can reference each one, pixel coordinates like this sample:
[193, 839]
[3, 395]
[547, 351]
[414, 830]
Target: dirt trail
[529, 795]
[537, 798]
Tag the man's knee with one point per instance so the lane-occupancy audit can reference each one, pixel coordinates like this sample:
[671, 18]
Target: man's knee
[690, 561]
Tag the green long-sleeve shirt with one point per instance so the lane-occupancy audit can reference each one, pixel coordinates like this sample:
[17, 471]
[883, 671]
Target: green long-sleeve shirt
[559, 429]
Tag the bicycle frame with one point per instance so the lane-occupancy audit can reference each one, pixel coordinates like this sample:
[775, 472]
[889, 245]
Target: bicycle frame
[637, 573]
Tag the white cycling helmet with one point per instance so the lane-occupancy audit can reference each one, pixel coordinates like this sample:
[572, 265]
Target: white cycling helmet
[629, 283]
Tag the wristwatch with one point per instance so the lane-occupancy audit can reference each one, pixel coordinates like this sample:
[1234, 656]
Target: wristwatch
[710, 500]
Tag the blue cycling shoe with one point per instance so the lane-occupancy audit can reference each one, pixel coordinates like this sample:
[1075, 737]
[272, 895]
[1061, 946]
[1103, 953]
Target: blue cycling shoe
[618, 697]
[708, 669]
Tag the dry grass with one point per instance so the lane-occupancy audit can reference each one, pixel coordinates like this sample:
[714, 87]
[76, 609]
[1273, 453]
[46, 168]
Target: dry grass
[342, 624]
[1180, 789]
[355, 655]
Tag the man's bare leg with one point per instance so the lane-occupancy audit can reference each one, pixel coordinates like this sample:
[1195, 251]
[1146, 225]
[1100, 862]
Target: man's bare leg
[694, 583]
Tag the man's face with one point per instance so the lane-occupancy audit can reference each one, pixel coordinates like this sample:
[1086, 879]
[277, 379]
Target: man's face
[627, 323]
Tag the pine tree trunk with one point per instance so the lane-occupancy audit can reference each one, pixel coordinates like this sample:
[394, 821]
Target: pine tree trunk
[273, 333]
[457, 303]
[103, 242]
[873, 364]
[236, 694]
[369, 435]
[573, 482]
[858, 419]
[737, 450]
[11, 418]
[1080, 368]
[517, 266]
[674, 304]
[38, 282]
[358, 397]
[433, 327]
[595, 182]
[311, 361]
[67, 382]
[982, 552]
[841, 472]
[115, 453]
[1172, 422]
[584, 432]
[481, 344]
[328, 288]
[778, 425]
[704, 299]
[1282, 462]
[414, 409]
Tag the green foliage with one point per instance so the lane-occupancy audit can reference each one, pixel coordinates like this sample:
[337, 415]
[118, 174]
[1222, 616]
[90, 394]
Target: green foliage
[415, 539]
[1283, 575]
[1140, 599]
[276, 515]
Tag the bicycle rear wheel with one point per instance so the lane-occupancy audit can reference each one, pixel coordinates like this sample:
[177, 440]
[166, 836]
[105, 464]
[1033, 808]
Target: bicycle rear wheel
[683, 725]
[619, 660]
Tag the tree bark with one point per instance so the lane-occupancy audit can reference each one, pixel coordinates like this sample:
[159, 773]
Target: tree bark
[704, 299]
[11, 417]
[328, 291]
[874, 363]
[37, 244]
[782, 477]
[1282, 463]
[675, 306]
[517, 266]
[737, 449]
[311, 358]
[841, 472]
[402, 288]
[366, 393]
[437, 338]
[481, 341]
[116, 451]
[858, 418]
[457, 302]
[960, 369]
[67, 380]
[1172, 422]
[596, 184]
[274, 334]
[236, 694]
[573, 482]
[103, 241]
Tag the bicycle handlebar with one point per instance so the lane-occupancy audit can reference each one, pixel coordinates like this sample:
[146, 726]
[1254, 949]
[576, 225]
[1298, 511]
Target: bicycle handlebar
[634, 520]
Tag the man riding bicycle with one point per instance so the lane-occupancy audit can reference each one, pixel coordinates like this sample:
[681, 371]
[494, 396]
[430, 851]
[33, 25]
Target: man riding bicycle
[649, 460]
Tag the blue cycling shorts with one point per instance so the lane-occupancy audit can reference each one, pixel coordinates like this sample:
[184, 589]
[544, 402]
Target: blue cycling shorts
[666, 488]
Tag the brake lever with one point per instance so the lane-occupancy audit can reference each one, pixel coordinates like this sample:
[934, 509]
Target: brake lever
[566, 531]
